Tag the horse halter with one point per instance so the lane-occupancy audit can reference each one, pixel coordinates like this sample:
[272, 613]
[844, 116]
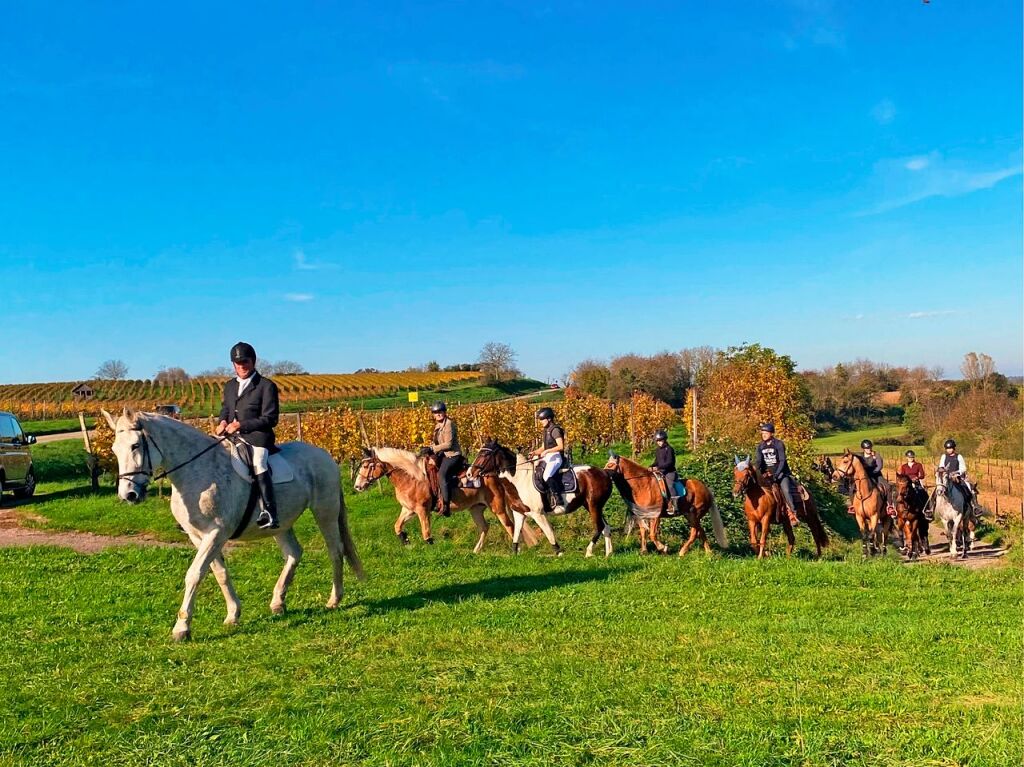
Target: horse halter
[372, 462]
[147, 460]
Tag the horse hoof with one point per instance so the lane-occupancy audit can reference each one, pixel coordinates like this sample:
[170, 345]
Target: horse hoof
[403, 538]
[429, 541]
[277, 609]
[231, 620]
[182, 636]
[515, 548]
[332, 604]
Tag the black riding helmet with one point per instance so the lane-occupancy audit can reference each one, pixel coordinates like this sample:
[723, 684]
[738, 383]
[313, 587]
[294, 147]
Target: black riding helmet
[949, 444]
[660, 434]
[910, 454]
[439, 407]
[866, 444]
[242, 352]
[546, 412]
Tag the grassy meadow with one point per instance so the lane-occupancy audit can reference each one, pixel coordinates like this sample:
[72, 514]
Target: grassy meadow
[442, 657]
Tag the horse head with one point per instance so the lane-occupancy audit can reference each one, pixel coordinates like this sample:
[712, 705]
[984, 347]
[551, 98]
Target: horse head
[614, 462]
[137, 455]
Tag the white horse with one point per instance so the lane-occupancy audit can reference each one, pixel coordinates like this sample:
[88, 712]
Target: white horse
[208, 500]
[950, 507]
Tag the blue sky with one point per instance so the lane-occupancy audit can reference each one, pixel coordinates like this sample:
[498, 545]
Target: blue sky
[377, 185]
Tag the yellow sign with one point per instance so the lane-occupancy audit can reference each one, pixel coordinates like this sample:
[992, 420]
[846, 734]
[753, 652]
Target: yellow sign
[414, 396]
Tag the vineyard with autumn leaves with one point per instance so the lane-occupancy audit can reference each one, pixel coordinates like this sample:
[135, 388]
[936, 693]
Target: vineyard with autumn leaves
[589, 422]
[203, 395]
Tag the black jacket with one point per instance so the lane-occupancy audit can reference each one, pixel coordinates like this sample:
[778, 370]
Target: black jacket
[256, 410]
[770, 456]
[664, 459]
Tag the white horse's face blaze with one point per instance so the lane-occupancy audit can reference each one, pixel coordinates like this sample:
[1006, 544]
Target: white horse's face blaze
[131, 461]
[366, 475]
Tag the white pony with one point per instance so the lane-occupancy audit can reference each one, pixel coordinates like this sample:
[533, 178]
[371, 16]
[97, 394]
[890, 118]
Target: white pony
[208, 500]
[950, 507]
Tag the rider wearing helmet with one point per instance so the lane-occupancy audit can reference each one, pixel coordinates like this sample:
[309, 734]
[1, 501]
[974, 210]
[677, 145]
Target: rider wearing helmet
[770, 458]
[955, 467]
[552, 452]
[250, 409]
[872, 460]
[913, 470]
[665, 463]
[445, 443]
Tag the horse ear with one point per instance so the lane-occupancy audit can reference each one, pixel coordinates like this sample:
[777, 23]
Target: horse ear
[846, 451]
[735, 459]
[747, 459]
[110, 419]
[367, 453]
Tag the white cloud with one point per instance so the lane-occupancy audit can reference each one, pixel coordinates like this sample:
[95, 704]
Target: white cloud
[933, 313]
[906, 180]
[298, 297]
[884, 112]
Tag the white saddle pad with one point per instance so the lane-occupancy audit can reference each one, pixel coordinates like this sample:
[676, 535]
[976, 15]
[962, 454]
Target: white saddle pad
[280, 470]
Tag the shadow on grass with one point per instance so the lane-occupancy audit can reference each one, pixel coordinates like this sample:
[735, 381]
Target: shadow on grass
[56, 495]
[490, 589]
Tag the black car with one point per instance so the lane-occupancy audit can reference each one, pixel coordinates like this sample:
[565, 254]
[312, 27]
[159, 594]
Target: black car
[16, 471]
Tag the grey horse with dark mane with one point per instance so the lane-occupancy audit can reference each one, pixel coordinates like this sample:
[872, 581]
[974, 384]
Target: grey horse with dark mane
[209, 499]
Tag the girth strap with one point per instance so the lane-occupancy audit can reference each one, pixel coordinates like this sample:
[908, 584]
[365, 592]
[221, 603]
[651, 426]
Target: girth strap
[250, 506]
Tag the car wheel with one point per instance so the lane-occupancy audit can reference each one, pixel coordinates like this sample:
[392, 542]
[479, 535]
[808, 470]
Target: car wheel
[30, 486]
[1, 488]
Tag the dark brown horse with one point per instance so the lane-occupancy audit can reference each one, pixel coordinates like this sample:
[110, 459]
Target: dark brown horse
[910, 518]
[641, 489]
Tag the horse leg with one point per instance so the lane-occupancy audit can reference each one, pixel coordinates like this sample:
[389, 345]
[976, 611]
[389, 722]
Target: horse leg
[752, 526]
[220, 572]
[292, 551]
[862, 523]
[606, 531]
[328, 521]
[641, 529]
[208, 550]
[481, 525]
[701, 535]
[694, 525]
[404, 516]
[658, 545]
[546, 528]
[766, 524]
[517, 530]
[787, 528]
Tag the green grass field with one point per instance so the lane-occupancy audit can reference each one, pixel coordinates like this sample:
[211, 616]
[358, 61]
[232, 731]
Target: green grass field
[446, 658]
[836, 442]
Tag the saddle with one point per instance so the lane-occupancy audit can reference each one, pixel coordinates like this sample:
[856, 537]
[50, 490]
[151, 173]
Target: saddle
[565, 473]
[241, 461]
[780, 500]
[680, 488]
[434, 477]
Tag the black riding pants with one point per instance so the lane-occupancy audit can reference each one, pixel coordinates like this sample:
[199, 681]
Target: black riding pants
[449, 465]
[789, 491]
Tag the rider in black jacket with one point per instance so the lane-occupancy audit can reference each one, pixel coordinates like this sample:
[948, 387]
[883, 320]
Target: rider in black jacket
[250, 409]
[770, 458]
[665, 463]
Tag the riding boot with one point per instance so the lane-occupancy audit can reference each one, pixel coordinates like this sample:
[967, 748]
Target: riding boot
[446, 507]
[557, 497]
[267, 519]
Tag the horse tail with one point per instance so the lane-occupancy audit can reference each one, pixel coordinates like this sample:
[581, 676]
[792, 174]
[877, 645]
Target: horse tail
[346, 539]
[716, 522]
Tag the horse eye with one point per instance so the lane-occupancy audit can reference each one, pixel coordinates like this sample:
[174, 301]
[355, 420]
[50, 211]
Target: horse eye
[135, 446]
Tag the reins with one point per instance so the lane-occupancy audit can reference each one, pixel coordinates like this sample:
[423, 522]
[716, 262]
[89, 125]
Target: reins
[148, 460]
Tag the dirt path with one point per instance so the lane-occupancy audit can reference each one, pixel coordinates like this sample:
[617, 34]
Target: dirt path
[982, 553]
[13, 532]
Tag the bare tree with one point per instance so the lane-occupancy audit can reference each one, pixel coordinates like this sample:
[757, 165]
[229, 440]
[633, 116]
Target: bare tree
[170, 375]
[497, 361]
[977, 369]
[282, 368]
[112, 370]
[218, 372]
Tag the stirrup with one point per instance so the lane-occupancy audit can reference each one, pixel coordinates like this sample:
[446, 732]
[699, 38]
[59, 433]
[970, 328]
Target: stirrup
[265, 521]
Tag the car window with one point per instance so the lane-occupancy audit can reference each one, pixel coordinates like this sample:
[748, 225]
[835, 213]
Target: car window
[19, 433]
[6, 429]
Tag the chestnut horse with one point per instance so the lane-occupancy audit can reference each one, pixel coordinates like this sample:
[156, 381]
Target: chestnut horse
[593, 489]
[408, 474]
[759, 507]
[868, 501]
[910, 503]
[640, 488]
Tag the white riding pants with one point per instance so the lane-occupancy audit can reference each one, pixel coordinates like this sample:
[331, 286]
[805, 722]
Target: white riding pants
[552, 463]
[260, 460]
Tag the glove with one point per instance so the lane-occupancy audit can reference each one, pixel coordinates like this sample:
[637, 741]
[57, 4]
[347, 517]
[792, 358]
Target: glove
[424, 451]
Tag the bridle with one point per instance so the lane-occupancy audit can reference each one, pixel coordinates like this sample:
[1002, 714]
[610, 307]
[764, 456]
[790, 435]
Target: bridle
[147, 458]
[372, 462]
[851, 473]
[488, 461]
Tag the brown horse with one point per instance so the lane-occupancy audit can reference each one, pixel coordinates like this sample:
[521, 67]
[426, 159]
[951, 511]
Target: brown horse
[640, 488]
[408, 474]
[910, 518]
[868, 501]
[759, 506]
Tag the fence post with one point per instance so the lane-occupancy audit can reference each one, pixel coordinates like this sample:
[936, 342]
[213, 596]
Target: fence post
[298, 426]
[632, 427]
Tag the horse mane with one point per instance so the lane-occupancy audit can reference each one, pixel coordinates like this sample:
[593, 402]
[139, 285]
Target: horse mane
[402, 459]
[176, 426]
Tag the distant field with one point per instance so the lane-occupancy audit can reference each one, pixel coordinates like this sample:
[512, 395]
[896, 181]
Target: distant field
[836, 442]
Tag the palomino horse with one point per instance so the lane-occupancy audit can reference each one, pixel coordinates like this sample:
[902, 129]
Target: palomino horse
[593, 489]
[640, 488]
[913, 525]
[208, 500]
[759, 507]
[408, 474]
[868, 501]
[950, 507]
[493, 460]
